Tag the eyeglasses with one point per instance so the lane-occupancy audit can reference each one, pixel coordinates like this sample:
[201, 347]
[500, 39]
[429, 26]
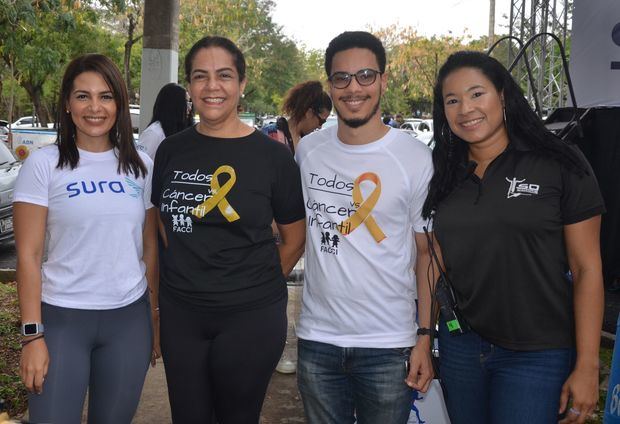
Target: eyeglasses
[320, 118]
[364, 77]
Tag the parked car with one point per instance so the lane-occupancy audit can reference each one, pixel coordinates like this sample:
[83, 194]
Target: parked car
[9, 168]
[4, 135]
[24, 121]
[422, 127]
[134, 113]
[409, 130]
[29, 122]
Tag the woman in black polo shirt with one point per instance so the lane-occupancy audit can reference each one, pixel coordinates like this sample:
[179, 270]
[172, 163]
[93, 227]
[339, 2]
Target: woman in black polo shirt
[515, 209]
[218, 186]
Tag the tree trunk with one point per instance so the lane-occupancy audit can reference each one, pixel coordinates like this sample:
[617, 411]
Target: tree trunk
[127, 57]
[35, 91]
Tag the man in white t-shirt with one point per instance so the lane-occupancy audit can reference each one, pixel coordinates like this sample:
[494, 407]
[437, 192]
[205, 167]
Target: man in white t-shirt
[364, 185]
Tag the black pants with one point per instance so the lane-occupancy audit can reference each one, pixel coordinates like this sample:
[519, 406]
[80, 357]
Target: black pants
[218, 364]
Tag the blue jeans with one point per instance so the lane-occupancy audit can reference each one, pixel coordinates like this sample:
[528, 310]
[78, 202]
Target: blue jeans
[338, 384]
[487, 384]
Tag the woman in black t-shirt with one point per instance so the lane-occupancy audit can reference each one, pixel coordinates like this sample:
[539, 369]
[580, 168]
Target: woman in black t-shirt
[516, 212]
[218, 187]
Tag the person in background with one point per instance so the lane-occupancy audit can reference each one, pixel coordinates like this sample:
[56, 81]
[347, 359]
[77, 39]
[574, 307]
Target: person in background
[399, 120]
[307, 106]
[86, 315]
[364, 185]
[218, 186]
[515, 208]
[172, 113]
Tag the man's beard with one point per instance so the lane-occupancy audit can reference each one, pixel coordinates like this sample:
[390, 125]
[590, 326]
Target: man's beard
[358, 122]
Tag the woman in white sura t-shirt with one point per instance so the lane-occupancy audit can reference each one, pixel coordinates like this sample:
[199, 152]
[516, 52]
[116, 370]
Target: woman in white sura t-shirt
[86, 315]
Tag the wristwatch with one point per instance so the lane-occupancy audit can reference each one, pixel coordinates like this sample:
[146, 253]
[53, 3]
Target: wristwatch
[426, 332]
[32, 329]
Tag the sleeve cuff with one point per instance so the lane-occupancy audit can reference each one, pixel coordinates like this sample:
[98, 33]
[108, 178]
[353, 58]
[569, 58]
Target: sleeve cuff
[583, 215]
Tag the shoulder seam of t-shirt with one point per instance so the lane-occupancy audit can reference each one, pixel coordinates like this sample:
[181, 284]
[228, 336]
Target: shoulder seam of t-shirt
[51, 161]
[405, 174]
[315, 145]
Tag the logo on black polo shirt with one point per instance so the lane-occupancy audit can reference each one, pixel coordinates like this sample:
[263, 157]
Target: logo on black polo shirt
[520, 188]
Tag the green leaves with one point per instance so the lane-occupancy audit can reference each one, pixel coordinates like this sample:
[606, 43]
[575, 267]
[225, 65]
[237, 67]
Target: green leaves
[274, 63]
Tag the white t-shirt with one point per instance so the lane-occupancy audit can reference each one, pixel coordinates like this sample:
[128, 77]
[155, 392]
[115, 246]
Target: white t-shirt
[150, 139]
[95, 220]
[360, 285]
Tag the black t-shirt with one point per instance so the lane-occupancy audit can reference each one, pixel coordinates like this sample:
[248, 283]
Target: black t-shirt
[503, 245]
[217, 198]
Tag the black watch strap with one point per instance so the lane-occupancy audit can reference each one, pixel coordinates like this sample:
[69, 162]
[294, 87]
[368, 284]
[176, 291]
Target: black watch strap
[426, 332]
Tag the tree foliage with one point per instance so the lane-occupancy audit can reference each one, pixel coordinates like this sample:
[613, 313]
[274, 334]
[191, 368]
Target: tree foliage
[274, 63]
[39, 37]
[413, 63]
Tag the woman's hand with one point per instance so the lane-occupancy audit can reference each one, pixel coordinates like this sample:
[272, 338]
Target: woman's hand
[34, 364]
[582, 388]
[420, 367]
[156, 348]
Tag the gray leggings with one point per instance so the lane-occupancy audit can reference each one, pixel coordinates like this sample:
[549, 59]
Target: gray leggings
[106, 351]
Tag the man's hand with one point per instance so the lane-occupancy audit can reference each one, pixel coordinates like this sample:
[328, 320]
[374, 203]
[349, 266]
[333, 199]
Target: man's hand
[420, 366]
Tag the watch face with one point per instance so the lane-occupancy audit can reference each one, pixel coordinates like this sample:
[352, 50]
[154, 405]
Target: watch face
[30, 329]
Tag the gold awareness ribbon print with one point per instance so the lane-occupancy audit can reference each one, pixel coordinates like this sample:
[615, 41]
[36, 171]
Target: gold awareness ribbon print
[362, 213]
[218, 195]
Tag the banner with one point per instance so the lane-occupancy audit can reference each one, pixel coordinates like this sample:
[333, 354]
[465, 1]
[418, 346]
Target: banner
[429, 407]
[595, 52]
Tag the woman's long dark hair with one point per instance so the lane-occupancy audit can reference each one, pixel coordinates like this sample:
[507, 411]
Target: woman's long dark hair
[171, 109]
[450, 153]
[121, 135]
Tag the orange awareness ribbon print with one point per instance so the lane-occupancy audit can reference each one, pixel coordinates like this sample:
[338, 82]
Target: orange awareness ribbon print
[362, 213]
[218, 195]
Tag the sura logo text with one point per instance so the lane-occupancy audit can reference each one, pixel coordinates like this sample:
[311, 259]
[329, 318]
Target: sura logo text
[89, 187]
